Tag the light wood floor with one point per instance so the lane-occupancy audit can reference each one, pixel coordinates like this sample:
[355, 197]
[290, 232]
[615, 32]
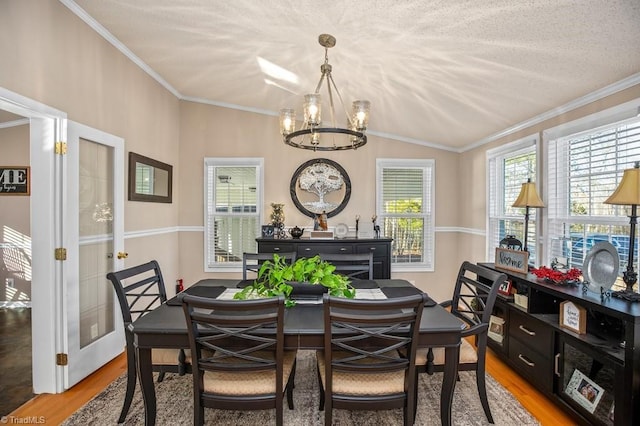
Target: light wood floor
[56, 408]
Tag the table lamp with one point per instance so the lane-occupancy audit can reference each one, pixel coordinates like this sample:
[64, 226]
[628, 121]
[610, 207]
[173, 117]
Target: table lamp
[528, 198]
[628, 194]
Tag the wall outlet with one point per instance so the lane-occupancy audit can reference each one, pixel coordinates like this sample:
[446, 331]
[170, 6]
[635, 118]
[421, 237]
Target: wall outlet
[94, 331]
[10, 283]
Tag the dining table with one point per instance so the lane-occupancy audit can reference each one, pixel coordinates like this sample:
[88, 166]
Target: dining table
[165, 327]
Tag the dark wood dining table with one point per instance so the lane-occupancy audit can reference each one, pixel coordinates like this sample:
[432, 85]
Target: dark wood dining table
[165, 327]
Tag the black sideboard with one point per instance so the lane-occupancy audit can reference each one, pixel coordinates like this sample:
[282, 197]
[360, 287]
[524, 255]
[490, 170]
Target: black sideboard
[558, 361]
[305, 247]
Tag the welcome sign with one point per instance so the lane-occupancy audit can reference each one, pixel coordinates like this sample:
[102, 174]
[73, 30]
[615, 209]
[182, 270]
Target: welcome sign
[15, 180]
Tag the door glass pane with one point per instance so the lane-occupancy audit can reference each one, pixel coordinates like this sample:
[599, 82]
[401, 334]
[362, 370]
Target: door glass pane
[96, 241]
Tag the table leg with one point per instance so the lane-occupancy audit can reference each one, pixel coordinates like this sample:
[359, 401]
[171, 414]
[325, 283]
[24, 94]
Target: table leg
[449, 378]
[145, 374]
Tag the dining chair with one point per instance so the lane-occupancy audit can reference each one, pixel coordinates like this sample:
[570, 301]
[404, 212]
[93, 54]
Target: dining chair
[239, 361]
[473, 298]
[368, 361]
[140, 289]
[251, 262]
[358, 265]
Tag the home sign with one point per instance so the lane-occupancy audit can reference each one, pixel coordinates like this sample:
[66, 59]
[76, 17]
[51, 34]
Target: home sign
[15, 180]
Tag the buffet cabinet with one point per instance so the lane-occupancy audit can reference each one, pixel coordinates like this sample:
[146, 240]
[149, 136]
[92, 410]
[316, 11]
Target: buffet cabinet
[593, 370]
[306, 247]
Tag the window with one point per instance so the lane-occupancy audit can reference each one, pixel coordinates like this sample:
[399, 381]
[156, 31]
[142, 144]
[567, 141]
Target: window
[508, 168]
[584, 169]
[233, 203]
[405, 211]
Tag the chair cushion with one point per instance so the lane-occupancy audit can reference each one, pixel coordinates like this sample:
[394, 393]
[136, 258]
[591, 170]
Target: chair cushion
[468, 354]
[249, 383]
[168, 356]
[362, 383]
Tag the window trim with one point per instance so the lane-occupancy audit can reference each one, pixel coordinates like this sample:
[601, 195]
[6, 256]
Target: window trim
[257, 162]
[428, 237]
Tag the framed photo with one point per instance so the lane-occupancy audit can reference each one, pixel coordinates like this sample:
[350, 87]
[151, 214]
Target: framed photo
[505, 288]
[573, 317]
[268, 231]
[584, 391]
[512, 260]
[15, 180]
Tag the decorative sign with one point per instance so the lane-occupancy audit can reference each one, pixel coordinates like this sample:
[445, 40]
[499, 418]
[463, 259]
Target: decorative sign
[573, 317]
[512, 260]
[15, 180]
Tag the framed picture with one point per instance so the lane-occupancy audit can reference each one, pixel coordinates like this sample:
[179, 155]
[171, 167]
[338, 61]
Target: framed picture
[512, 260]
[573, 317]
[268, 231]
[15, 180]
[584, 391]
[505, 288]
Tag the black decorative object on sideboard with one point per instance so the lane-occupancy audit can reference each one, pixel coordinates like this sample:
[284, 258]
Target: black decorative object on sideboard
[304, 247]
[595, 376]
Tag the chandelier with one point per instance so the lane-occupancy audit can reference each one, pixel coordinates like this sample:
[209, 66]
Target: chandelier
[337, 138]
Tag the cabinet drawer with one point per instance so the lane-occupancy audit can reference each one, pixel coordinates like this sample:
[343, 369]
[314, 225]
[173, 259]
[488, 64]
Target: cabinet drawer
[308, 250]
[378, 250]
[531, 365]
[531, 332]
[275, 247]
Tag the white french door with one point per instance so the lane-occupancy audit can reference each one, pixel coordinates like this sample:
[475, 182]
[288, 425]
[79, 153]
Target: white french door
[93, 229]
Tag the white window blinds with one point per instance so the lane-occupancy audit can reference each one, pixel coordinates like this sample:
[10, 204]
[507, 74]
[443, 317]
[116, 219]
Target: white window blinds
[405, 210]
[232, 204]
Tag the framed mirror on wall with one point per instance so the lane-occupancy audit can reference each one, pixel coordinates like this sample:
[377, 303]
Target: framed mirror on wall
[149, 180]
[320, 186]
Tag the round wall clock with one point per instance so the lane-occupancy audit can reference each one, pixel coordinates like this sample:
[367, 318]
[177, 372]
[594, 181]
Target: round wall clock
[320, 186]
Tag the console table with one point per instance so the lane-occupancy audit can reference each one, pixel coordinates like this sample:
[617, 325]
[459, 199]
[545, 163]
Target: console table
[305, 247]
[594, 376]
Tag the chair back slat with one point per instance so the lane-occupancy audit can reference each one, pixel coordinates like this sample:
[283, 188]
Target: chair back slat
[359, 265]
[251, 262]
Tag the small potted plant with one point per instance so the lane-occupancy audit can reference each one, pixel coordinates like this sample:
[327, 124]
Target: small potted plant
[277, 277]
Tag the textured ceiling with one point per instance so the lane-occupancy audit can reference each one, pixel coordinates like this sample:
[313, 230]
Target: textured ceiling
[448, 73]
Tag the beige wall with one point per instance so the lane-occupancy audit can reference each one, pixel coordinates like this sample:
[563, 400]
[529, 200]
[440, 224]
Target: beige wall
[51, 56]
[15, 227]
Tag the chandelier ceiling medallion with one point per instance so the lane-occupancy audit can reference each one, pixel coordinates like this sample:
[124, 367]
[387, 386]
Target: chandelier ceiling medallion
[334, 138]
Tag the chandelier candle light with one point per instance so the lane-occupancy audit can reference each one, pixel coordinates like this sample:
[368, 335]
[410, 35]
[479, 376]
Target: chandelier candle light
[628, 194]
[351, 137]
[528, 198]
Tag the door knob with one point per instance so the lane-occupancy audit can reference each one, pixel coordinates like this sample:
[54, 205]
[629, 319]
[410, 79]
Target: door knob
[122, 255]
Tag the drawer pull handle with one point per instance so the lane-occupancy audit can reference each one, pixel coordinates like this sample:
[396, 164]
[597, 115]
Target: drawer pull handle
[526, 361]
[372, 249]
[343, 249]
[276, 249]
[529, 332]
[556, 366]
[307, 249]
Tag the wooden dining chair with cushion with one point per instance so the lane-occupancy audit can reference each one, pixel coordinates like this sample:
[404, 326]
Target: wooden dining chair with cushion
[368, 361]
[358, 266]
[251, 262]
[140, 289]
[474, 295]
[239, 361]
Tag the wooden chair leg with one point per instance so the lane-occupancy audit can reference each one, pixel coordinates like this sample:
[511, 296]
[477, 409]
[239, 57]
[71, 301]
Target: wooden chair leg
[160, 376]
[321, 407]
[131, 385]
[482, 391]
[291, 385]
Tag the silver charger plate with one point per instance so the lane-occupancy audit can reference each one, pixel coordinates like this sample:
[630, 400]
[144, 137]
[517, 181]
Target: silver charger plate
[601, 266]
[341, 230]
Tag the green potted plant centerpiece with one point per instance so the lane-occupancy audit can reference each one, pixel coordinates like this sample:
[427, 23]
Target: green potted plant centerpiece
[277, 277]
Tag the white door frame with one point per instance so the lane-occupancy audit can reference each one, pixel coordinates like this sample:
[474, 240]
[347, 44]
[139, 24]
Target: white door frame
[47, 126]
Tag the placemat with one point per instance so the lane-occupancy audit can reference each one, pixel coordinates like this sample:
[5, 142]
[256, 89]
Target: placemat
[202, 291]
[391, 292]
[363, 284]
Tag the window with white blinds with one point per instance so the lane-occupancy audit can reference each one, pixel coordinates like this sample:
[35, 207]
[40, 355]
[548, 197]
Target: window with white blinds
[584, 169]
[508, 168]
[405, 191]
[233, 201]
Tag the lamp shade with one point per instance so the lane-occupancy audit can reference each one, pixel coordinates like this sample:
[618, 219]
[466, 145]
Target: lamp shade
[528, 196]
[628, 192]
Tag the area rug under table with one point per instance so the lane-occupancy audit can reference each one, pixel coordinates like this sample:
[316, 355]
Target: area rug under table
[175, 404]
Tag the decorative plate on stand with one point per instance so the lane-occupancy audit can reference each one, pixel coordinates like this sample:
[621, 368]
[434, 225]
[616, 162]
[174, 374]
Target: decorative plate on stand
[601, 266]
[341, 230]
